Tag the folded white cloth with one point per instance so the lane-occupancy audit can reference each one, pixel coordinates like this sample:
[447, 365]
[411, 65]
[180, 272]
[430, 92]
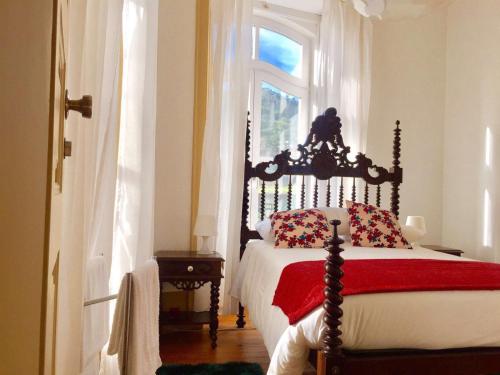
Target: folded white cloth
[143, 355]
[95, 317]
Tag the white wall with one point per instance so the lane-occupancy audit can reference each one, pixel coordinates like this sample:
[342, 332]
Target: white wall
[472, 106]
[437, 73]
[408, 83]
[174, 134]
[25, 58]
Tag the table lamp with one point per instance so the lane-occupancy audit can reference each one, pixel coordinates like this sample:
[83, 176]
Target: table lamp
[206, 226]
[417, 223]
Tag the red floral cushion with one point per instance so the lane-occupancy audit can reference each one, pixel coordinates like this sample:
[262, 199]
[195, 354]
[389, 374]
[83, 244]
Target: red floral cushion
[371, 226]
[300, 228]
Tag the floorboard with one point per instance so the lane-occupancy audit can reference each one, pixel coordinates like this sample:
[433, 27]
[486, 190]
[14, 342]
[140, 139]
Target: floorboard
[234, 344]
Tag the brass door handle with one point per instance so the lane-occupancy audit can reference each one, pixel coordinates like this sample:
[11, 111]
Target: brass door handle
[83, 105]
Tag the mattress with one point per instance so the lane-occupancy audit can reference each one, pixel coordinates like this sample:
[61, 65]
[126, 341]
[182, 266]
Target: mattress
[410, 320]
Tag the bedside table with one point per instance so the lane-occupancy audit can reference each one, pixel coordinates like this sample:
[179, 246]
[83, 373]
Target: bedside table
[443, 249]
[188, 270]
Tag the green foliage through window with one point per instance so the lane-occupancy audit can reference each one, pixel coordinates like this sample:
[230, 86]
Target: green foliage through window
[279, 120]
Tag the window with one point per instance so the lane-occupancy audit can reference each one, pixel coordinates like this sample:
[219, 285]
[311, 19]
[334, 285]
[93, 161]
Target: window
[280, 88]
[280, 51]
[279, 98]
[279, 112]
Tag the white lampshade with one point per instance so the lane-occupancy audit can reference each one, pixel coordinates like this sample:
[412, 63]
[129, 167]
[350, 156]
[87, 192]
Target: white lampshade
[417, 222]
[206, 225]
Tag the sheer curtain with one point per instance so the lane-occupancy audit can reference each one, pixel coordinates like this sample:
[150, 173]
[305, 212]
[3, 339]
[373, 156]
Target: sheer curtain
[134, 211]
[113, 160]
[343, 69]
[221, 181]
[134, 202]
[94, 60]
[109, 187]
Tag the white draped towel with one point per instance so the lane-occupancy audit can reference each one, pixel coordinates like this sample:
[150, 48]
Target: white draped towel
[143, 351]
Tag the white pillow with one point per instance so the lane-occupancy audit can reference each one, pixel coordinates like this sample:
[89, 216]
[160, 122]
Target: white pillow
[265, 230]
[337, 213]
[412, 234]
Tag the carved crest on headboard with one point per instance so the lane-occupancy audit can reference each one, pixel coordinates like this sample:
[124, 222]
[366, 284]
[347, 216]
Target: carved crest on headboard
[323, 155]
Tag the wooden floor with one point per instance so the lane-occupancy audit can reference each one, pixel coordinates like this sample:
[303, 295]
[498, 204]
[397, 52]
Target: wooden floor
[234, 344]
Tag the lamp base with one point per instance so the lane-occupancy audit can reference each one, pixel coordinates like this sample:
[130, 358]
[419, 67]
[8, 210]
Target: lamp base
[204, 246]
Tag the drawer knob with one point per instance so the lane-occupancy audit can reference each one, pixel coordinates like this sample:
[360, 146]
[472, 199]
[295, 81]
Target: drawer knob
[190, 268]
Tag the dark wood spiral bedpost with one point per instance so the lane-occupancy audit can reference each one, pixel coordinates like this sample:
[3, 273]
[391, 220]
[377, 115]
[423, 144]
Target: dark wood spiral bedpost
[328, 194]
[289, 195]
[332, 352]
[341, 192]
[303, 193]
[315, 195]
[366, 193]
[276, 192]
[396, 170]
[378, 195]
[263, 200]
[245, 208]
[353, 192]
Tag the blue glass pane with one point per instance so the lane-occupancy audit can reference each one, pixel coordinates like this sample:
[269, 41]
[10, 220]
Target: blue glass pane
[280, 51]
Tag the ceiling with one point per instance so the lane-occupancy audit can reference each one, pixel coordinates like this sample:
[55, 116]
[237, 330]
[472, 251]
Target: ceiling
[400, 9]
[395, 9]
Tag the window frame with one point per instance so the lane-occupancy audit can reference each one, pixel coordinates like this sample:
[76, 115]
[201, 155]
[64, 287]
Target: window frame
[262, 71]
[290, 33]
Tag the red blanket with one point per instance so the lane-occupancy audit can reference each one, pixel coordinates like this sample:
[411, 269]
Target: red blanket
[300, 288]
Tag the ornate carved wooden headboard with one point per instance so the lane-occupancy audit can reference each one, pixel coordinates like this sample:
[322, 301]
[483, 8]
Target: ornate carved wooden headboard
[325, 157]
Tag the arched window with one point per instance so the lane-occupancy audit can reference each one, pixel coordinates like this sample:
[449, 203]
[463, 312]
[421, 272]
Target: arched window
[280, 82]
[279, 98]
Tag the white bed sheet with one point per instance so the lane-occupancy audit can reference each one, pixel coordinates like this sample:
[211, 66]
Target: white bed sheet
[419, 320]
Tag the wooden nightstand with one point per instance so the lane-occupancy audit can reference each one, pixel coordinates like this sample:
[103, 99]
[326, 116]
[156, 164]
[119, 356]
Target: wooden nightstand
[187, 270]
[443, 249]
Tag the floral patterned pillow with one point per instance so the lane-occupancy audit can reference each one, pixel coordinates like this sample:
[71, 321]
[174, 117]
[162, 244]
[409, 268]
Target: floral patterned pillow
[300, 228]
[371, 226]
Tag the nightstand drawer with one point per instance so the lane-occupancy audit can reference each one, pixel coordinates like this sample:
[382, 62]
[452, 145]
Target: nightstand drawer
[189, 269]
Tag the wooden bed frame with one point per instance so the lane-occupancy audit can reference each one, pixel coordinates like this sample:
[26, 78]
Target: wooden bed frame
[325, 157]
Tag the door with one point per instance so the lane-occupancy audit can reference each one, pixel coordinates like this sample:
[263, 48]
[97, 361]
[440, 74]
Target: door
[56, 226]
[61, 150]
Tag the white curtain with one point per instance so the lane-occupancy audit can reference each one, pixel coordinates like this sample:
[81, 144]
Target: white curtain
[343, 69]
[109, 186]
[134, 205]
[94, 60]
[221, 181]
[134, 212]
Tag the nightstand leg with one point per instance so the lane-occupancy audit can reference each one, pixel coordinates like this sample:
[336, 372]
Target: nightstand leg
[214, 309]
[240, 323]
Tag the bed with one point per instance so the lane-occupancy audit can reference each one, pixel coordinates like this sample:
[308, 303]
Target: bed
[423, 320]
[453, 332]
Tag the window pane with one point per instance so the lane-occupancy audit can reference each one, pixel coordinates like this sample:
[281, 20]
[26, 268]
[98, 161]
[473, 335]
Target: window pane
[280, 51]
[279, 121]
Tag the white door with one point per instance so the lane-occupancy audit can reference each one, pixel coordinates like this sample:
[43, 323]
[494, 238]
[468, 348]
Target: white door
[56, 225]
[61, 150]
